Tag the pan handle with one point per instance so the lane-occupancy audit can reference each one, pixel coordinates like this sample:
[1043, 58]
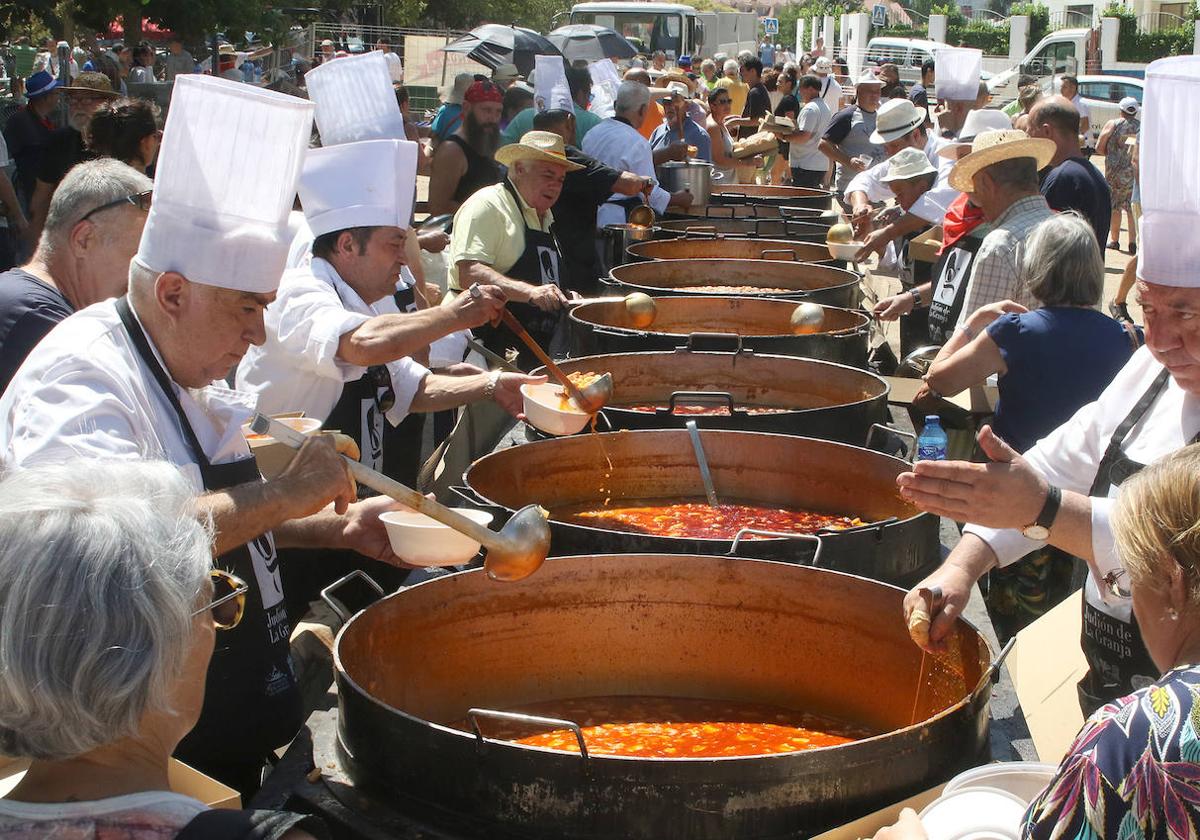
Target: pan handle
[717, 342]
[474, 499]
[699, 397]
[791, 255]
[337, 606]
[737, 539]
[707, 231]
[709, 214]
[876, 428]
[473, 716]
[625, 332]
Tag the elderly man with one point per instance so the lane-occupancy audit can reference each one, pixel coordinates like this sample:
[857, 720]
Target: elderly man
[617, 143]
[1060, 492]
[28, 132]
[91, 233]
[1072, 182]
[134, 378]
[503, 237]
[66, 146]
[731, 80]
[679, 128]
[466, 161]
[847, 141]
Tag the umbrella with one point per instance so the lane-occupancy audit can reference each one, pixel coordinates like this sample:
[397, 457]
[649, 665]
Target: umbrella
[588, 42]
[493, 44]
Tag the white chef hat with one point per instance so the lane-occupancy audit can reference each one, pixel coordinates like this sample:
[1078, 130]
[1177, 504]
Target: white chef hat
[367, 184]
[355, 100]
[957, 70]
[225, 182]
[395, 67]
[1170, 174]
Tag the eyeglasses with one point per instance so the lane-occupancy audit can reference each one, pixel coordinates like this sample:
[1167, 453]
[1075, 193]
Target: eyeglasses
[228, 600]
[720, 101]
[380, 378]
[140, 200]
[1117, 583]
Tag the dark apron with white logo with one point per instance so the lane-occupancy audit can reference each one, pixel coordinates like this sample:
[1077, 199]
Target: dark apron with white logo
[1118, 662]
[538, 265]
[251, 700]
[951, 277]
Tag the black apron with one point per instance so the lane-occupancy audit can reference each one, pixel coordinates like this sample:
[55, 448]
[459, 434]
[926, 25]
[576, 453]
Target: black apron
[1118, 662]
[251, 700]
[951, 277]
[914, 327]
[538, 265]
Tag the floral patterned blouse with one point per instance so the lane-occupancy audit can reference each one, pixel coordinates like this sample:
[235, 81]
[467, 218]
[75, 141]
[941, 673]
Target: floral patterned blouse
[1133, 771]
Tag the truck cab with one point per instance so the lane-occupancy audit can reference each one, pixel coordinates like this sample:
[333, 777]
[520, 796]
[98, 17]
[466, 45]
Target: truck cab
[674, 28]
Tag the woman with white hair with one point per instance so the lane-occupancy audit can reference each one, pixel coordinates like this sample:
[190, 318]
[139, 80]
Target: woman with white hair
[109, 605]
[1050, 361]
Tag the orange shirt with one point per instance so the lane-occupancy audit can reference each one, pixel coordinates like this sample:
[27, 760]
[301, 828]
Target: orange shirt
[652, 120]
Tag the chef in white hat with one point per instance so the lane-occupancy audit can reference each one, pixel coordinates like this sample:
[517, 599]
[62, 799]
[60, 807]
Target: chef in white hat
[1061, 491]
[140, 377]
[338, 347]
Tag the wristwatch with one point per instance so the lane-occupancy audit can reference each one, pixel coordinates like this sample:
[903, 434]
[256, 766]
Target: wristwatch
[1040, 529]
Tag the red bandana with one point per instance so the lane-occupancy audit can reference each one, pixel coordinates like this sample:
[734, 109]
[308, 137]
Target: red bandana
[962, 217]
[483, 91]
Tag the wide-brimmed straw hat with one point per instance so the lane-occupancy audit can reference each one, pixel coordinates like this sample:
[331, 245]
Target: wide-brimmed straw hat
[544, 146]
[996, 146]
[91, 82]
[977, 122]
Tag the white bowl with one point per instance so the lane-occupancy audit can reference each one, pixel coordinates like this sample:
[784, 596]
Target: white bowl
[980, 813]
[421, 541]
[304, 425]
[542, 410]
[1023, 779]
[273, 456]
[844, 250]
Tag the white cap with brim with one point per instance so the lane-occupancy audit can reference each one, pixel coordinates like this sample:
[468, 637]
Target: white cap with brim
[355, 100]
[367, 184]
[868, 77]
[1169, 251]
[908, 163]
[1128, 105]
[957, 70]
[226, 180]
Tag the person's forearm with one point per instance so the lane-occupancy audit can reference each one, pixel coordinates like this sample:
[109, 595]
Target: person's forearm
[514, 290]
[831, 151]
[858, 201]
[966, 366]
[242, 513]
[385, 338]
[629, 184]
[1072, 528]
[799, 137]
[972, 556]
[8, 197]
[321, 530]
[661, 155]
[438, 392]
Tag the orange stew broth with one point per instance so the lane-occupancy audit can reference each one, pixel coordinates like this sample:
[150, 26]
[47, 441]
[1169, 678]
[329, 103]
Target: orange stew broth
[697, 520]
[680, 727]
[740, 290]
[705, 410]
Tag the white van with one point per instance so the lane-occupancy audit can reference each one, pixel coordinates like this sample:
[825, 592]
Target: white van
[908, 54]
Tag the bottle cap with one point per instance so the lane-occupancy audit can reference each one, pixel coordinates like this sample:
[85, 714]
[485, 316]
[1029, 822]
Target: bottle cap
[932, 418]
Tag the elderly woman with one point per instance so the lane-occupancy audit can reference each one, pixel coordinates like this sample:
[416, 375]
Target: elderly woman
[126, 129]
[1051, 362]
[108, 606]
[1132, 769]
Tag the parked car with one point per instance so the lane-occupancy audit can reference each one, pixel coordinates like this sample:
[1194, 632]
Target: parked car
[1101, 94]
[908, 54]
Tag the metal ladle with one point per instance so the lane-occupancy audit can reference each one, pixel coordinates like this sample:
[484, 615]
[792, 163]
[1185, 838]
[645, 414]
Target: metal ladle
[643, 215]
[705, 474]
[591, 398]
[516, 552]
[639, 306]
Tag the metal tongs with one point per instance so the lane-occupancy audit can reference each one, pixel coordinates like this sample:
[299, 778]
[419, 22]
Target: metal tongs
[516, 552]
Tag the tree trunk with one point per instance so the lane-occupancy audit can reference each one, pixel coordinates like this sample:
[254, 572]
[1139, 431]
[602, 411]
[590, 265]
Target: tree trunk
[133, 23]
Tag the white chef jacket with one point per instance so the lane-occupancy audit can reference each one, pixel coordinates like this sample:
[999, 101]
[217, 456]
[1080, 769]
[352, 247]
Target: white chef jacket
[619, 145]
[296, 368]
[1068, 456]
[932, 205]
[85, 392]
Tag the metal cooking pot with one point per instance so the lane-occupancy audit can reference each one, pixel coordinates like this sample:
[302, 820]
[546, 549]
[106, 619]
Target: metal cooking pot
[720, 323]
[822, 284]
[696, 248]
[616, 239]
[685, 626]
[695, 176]
[824, 400]
[752, 194]
[900, 545]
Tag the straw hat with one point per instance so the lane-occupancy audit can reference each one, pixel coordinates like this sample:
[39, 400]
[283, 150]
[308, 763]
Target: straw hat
[977, 122]
[506, 73]
[545, 146]
[896, 118]
[91, 82]
[996, 146]
[674, 77]
[908, 163]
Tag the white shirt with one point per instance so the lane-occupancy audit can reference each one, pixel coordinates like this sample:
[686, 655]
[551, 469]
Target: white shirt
[831, 92]
[620, 146]
[85, 392]
[1085, 113]
[1069, 456]
[932, 204]
[297, 368]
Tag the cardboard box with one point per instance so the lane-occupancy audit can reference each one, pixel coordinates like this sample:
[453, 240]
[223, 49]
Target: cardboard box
[1046, 664]
[182, 778]
[924, 248]
[871, 823]
[979, 399]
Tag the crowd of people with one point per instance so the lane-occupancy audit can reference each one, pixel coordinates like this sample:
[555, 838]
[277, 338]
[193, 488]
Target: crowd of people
[144, 321]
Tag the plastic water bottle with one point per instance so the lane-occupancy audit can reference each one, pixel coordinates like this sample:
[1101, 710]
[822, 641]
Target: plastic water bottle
[931, 445]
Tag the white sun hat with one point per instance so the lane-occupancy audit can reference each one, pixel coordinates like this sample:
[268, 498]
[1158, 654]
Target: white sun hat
[908, 163]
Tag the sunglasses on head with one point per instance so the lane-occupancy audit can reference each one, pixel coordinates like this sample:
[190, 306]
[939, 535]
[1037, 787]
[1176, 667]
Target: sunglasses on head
[228, 600]
[140, 200]
[1117, 583]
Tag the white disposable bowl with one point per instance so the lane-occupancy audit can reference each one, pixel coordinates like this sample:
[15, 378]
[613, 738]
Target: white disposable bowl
[543, 412]
[304, 425]
[1023, 779]
[843, 250]
[976, 814]
[422, 541]
[273, 456]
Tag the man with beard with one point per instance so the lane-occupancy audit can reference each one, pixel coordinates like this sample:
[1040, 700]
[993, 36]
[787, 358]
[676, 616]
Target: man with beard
[466, 161]
[66, 147]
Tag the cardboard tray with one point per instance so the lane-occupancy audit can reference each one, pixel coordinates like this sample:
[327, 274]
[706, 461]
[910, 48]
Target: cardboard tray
[924, 248]
[182, 778]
